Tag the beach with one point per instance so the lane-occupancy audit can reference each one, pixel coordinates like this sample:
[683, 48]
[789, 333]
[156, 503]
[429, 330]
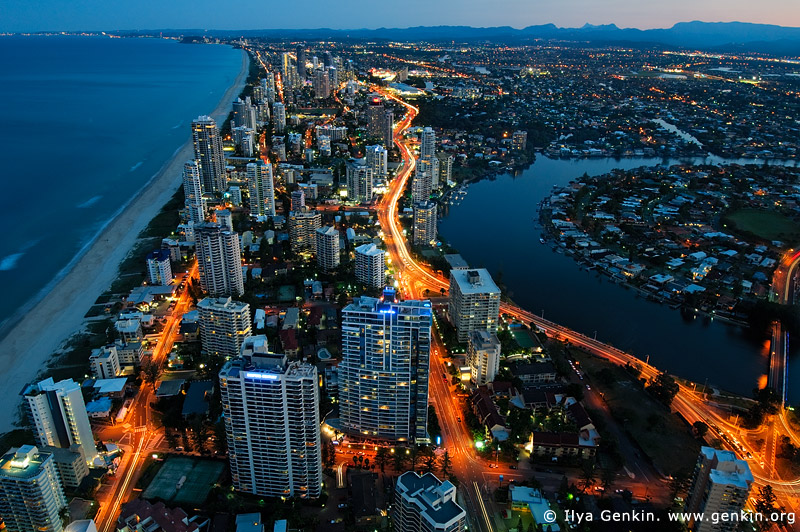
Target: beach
[29, 344]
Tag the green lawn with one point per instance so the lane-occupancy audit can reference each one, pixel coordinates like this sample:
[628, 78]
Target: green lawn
[768, 225]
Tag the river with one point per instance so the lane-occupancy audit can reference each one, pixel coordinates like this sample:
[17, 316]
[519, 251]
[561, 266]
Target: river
[496, 227]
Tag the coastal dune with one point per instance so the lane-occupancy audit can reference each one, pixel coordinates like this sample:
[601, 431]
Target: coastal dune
[27, 347]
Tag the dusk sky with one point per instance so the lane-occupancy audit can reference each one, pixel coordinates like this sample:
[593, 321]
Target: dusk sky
[36, 15]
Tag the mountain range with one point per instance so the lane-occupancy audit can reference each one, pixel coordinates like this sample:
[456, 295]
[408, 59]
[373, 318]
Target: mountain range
[719, 36]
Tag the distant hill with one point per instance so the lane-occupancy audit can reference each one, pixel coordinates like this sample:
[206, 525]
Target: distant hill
[735, 36]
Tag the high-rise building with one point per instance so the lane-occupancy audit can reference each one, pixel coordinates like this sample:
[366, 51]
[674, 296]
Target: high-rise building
[426, 504]
[268, 86]
[377, 159]
[422, 186]
[224, 219]
[104, 362]
[721, 484]
[424, 223]
[474, 302]
[279, 118]
[387, 127]
[334, 133]
[244, 138]
[288, 72]
[446, 166]
[359, 181]
[300, 55]
[159, 269]
[262, 189]
[519, 140]
[483, 356]
[327, 248]
[371, 265]
[303, 227]
[298, 200]
[224, 325]
[427, 144]
[31, 495]
[383, 376]
[375, 117]
[219, 260]
[193, 192]
[208, 152]
[271, 411]
[430, 165]
[322, 84]
[244, 113]
[57, 413]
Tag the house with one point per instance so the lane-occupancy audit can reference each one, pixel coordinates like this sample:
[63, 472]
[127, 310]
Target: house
[486, 412]
[536, 373]
[560, 445]
[139, 515]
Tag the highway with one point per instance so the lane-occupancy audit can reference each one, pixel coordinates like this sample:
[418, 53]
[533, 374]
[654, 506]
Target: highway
[143, 434]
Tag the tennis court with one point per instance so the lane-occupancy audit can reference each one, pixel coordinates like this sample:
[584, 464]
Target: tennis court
[200, 475]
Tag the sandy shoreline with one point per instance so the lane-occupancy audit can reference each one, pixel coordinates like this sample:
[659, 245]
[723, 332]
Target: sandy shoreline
[26, 349]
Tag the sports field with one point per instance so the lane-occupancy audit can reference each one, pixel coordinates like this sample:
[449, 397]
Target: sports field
[201, 475]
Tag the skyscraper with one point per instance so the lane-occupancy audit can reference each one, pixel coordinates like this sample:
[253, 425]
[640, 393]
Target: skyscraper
[219, 260]
[375, 117]
[387, 127]
[422, 186]
[224, 325]
[208, 152]
[244, 113]
[377, 160]
[359, 181]
[383, 383]
[279, 118]
[271, 411]
[159, 269]
[430, 165]
[427, 145]
[31, 495]
[721, 484]
[193, 192]
[262, 189]
[327, 248]
[474, 302]
[322, 84]
[300, 54]
[303, 227]
[483, 356]
[57, 413]
[371, 265]
[426, 504]
[424, 223]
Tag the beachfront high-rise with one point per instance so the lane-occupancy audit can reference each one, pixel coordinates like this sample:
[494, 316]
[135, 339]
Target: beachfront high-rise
[244, 113]
[721, 484]
[57, 413]
[271, 412]
[426, 504]
[383, 376]
[303, 227]
[483, 357]
[474, 302]
[159, 269]
[193, 192]
[359, 181]
[430, 165]
[219, 260]
[208, 152]
[224, 325]
[327, 248]
[371, 265]
[31, 495]
[262, 189]
[424, 223]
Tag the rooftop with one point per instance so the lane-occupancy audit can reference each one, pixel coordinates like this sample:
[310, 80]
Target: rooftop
[474, 281]
[435, 500]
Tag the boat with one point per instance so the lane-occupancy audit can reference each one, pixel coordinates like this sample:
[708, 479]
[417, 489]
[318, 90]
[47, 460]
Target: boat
[542, 241]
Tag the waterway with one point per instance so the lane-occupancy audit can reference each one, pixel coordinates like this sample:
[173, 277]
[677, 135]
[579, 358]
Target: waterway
[496, 226]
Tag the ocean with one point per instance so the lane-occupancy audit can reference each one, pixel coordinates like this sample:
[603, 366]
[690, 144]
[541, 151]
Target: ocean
[86, 123]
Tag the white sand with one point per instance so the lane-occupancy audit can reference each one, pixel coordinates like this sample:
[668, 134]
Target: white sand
[28, 346]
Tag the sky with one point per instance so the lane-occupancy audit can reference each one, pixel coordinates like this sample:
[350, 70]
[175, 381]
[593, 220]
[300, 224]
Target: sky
[71, 15]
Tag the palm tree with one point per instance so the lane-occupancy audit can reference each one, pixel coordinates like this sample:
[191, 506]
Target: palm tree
[151, 373]
[414, 457]
[446, 465]
[382, 458]
[399, 461]
[607, 477]
[366, 463]
[587, 476]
